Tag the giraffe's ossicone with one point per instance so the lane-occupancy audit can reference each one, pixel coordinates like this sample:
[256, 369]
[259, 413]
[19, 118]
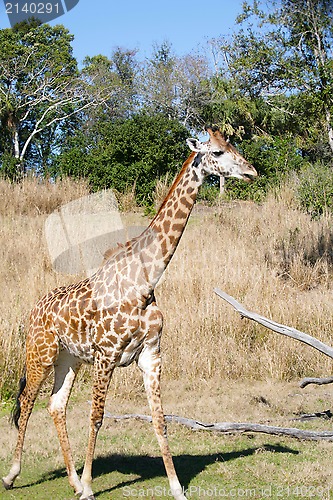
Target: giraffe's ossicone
[111, 318]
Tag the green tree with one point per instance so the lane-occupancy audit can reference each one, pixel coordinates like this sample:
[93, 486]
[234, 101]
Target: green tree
[283, 54]
[41, 91]
[126, 154]
[178, 87]
[119, 75]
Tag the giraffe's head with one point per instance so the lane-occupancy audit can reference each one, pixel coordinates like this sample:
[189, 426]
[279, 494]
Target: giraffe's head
[218, 157]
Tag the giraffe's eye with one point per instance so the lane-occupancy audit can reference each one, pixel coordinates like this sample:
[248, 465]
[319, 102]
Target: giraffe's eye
[217, 153]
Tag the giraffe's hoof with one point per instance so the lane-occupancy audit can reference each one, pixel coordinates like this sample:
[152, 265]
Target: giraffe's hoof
[6, 485]
[89, 497]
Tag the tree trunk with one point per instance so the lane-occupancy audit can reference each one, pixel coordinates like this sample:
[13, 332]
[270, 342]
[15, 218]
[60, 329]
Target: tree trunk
[329, 129]
[222, 181]
[231, 427]
[16, 146]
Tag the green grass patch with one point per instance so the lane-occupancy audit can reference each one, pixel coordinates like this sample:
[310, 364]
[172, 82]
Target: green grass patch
[208, 465]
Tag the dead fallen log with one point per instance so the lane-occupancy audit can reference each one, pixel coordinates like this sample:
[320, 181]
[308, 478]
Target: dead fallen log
[314, 380]
[232, 428]
[326, 414]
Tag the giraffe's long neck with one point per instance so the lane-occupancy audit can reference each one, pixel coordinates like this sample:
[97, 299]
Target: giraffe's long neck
[159, 241]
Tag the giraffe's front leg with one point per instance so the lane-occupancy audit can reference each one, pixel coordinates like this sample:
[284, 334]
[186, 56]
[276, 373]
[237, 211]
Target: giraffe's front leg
[65, 371]
[103, 370]
[150, 364]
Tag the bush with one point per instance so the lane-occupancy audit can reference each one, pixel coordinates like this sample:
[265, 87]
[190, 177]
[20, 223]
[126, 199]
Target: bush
[315, 189]
[273, 158]
[209, 192]
[123, 154]
[9, 167]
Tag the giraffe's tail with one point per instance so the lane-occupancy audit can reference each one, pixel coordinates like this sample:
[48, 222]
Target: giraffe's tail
[16, 412]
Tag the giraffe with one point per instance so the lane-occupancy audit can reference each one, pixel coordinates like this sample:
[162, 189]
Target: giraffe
[111, 319]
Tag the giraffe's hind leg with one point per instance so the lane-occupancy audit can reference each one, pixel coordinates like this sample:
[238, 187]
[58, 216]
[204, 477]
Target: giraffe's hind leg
[30, 384]
[65, 371]
[150, 364]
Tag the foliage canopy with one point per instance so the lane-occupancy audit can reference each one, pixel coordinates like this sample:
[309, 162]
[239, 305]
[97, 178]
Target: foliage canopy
[122, 122]
[134, 152]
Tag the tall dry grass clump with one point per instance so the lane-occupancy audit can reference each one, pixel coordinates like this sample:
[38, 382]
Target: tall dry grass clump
[33, 197]
[275, 260]
[25, 269]
[272, 257]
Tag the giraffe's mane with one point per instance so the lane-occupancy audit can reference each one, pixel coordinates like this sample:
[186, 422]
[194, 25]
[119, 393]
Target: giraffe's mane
[112, 252]
[176, 182]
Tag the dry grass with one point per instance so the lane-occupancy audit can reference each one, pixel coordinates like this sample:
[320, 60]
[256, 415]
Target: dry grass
[34, 197]
[217, 367]
[273, 258]
[161, 190]
[25, 269]
[126, 201]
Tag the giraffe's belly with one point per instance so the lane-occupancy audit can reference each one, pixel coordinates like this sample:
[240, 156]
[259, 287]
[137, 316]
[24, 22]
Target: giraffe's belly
[131, 352]
[121, 353]
[83, 352]
[119, 337]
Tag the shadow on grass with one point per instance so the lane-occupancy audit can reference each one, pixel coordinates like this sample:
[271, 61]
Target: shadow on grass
[145, 467]
[187, 466]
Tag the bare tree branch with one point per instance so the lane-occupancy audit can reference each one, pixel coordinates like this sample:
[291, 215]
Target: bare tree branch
[276, 327]
[38, 127]
[284, 330]
[41, 90]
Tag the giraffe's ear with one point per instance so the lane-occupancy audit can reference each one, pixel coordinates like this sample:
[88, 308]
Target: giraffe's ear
[194, 144]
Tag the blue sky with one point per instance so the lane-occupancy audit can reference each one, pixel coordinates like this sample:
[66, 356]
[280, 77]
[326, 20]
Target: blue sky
[100, 26]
